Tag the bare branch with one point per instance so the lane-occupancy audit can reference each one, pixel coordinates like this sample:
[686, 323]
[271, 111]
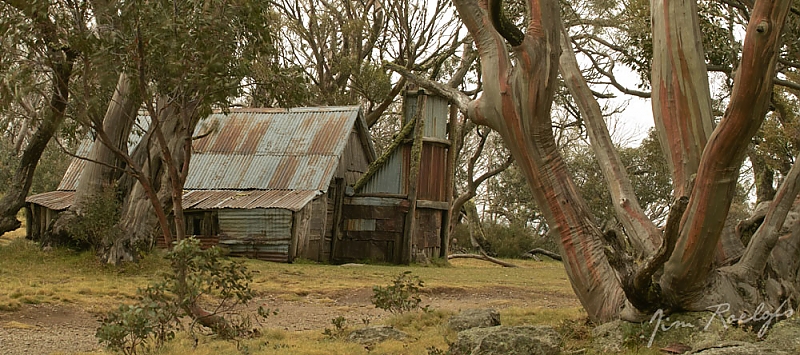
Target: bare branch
[454, 96]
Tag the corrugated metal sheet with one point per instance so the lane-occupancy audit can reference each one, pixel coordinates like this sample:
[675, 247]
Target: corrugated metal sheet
[264, 149]
[435, 111]
[293, 200]
[258, 233]
[436, 115]
[70, 180]
[54, 200]
[389, 177]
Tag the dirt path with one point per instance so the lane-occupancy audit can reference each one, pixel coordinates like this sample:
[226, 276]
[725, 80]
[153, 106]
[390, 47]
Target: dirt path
[45, 329]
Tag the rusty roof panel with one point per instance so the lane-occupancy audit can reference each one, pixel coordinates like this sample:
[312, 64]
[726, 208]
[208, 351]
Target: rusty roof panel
[293, 200]
[245, 172]
[263, 149]
[54, 200]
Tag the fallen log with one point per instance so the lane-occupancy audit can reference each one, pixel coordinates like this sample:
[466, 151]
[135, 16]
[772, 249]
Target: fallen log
[481, 257]
[533, 252]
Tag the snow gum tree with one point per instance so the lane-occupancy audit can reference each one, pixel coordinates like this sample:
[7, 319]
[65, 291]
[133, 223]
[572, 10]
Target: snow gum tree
[693, 261]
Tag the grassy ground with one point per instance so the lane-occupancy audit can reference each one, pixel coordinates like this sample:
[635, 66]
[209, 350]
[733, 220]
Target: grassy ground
[29, 276]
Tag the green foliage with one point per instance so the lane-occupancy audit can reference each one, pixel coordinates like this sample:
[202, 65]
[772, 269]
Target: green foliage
[98, 219]
[194, 274]
[401, 296]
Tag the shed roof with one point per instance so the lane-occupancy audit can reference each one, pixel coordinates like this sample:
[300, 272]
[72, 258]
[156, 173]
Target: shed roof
[290, 153]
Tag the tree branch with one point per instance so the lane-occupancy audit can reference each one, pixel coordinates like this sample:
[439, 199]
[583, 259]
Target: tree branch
[763, 241]
[454, 96]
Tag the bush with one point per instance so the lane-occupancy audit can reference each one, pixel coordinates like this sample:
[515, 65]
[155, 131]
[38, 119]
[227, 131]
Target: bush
[194, 274]
[98, 219]
[401, 296]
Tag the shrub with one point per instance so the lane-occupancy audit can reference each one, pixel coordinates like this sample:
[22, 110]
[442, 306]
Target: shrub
[401, 296]
[194, 274]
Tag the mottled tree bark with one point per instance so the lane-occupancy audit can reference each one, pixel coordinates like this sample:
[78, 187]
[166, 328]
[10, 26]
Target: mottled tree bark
[687, 272]
[680, 97]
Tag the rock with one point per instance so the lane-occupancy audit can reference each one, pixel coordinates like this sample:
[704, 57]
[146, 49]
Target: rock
[474, 318]
[608, 337]
[521, 340]
[375, 334]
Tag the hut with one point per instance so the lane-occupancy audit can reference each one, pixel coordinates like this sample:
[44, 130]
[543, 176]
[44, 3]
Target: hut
[266, 183]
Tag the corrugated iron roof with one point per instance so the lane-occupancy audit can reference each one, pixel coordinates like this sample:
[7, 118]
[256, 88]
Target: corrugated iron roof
[54, 200]
[263, 149]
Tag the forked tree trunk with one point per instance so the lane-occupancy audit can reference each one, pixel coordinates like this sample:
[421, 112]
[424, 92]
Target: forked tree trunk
[140, 220]
[681, 275]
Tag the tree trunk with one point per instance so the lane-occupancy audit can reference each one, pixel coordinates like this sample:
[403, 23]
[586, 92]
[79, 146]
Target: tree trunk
[688, 271]
[681, 98]
[140, 219]
[516, 103]
[103, 167]
[14, 199]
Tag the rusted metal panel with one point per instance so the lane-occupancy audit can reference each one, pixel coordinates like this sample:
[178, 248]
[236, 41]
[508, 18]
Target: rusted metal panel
[242, 172]
[372, 212]
[433, 166]
[254, 148]
[54, 200]
[356, 250]
[293, 200]
[260, 233]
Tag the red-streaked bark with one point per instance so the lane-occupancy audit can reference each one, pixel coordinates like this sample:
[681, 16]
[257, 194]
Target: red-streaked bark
[680, 97]
[687, 272]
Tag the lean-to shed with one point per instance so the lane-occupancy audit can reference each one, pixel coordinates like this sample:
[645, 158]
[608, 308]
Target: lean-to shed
[400, 210]
[266, 183]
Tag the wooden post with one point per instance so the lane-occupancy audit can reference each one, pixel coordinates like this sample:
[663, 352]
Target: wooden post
[413, 181]
[338, 204]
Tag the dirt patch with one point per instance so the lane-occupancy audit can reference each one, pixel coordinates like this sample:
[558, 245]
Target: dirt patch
[44, 329]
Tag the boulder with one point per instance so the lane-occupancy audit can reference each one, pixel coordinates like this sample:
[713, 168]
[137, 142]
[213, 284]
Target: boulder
[521, 340]
[375, 334]
[474, 318]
